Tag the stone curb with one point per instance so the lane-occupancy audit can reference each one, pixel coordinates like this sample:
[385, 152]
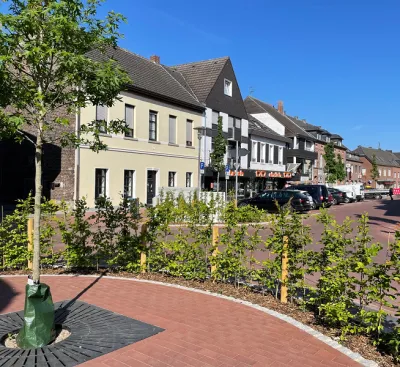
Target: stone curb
[316, 334]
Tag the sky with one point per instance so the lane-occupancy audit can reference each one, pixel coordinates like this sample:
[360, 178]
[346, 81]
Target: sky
[335, 63]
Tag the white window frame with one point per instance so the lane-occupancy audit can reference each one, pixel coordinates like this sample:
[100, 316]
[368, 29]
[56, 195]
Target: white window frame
[174, 177]
[155, 113]
[172, 137]
[228, 89]
[131, 129]
[380, 173]
[190, 179]
[105, 194]
[271, 154]
[133, 184]
[102, 129]
[254, 152]
[389, 173]
[189, 132]
[280, 157]
[262, 153]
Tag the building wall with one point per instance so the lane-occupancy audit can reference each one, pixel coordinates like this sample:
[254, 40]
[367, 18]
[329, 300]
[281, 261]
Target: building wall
[265, 166]
[269, 121]
[393, 178]
[138, 153]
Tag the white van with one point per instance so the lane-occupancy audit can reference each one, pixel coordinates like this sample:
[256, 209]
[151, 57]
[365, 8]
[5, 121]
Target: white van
[355, 192]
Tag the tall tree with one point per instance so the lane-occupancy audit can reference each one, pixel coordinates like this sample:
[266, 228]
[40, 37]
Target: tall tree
[330, 163]
[340, 168]
[374, 169]
[218, 154]
[45, 71]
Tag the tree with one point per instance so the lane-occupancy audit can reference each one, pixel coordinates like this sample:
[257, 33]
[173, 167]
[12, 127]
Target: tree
[340, 168]
[218, 154]
[45, 71]
[330, 163]
[374, 169]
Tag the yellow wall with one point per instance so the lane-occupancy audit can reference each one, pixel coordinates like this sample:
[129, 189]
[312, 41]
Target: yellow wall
[138, 154]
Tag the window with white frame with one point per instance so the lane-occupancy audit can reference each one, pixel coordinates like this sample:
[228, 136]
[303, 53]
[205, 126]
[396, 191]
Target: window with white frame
[380, 173]
[262, 153]
[171, 179]
[238, 123]
[389, 173]
[215, 116]
[153, 126]
[319, 136]
[101, 118]
[129, 176]
[188, 179]
[228, 87]
[100, 183]
[189, 133]
[172, 130]
[129, 133]
[280, 155]
[271, 153]
[384, 173]
[308, 145]
[254, 152]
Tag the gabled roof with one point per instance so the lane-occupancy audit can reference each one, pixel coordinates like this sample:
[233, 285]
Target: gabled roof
[336, 136]
[305, 125]
[150, 78]
[256, 127]
[201, 76]
[383, 157]
[255, 106]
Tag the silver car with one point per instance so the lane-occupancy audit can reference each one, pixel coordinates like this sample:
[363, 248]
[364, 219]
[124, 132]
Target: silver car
[310, 199]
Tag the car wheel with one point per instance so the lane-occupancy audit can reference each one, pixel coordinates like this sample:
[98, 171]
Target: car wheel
[347, 200]
[378, 196]
[334, 202]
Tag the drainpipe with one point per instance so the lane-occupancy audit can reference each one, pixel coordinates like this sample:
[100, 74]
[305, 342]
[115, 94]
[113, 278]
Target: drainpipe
[77, 156]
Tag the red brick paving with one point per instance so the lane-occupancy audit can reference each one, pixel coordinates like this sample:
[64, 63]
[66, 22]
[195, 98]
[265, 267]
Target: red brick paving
[200, 330]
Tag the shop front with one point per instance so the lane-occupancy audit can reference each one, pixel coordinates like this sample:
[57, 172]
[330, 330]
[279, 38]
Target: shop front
[386, 183]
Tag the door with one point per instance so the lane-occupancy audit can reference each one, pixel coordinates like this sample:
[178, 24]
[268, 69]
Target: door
[151, 186]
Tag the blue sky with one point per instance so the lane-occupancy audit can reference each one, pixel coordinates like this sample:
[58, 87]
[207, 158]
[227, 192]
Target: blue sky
[335, 63]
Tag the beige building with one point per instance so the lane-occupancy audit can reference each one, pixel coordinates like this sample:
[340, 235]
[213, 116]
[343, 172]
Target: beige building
[161, 148]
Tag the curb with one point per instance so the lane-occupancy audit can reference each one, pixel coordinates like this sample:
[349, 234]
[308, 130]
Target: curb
[316, 334]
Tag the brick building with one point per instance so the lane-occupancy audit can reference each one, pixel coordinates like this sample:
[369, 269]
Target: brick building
[388, 167]
[354, 166]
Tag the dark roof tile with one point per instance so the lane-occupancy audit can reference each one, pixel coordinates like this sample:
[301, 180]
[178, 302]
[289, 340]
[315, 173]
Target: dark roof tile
[383, 157]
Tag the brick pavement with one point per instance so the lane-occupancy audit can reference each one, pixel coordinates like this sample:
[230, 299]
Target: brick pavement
[200, 330]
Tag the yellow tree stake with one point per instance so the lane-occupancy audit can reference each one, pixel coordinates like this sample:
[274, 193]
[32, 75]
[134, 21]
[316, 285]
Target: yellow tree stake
[30, 241]
[143, 256]
[215, 237]
[284, 290]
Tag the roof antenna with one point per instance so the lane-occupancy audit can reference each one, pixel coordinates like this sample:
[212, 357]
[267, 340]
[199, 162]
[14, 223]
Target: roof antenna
[251, 91]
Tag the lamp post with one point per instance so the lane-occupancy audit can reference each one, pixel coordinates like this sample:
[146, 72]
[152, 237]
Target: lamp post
[200, 133]
[236, 167]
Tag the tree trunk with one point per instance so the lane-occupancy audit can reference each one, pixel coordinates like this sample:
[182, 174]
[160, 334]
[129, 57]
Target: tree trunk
[37, 210]
[218, 181]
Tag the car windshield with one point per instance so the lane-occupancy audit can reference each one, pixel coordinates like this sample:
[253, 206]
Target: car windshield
[311, 189]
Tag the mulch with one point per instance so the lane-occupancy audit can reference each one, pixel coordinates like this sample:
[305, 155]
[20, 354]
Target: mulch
[357, 343]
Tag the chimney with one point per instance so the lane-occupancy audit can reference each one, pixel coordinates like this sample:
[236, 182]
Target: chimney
[280, 107]
[155, 59]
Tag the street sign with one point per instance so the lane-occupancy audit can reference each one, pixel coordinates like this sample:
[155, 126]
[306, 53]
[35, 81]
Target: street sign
[227, 176]
[227, 168]
[237, 165]
[202, 165]
[348, 169]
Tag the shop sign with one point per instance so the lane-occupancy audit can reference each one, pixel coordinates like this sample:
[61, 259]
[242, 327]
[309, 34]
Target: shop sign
[280, 175]
[261, 173]
[239, 173]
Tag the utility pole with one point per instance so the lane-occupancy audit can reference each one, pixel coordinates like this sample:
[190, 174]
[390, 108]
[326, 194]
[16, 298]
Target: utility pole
[236, 168]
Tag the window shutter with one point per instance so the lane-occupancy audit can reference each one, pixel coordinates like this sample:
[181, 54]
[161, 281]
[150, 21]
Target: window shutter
[266, 153]
[129, 116]
[172, 129]
[101, 113]
[258, 151]
[276, 152]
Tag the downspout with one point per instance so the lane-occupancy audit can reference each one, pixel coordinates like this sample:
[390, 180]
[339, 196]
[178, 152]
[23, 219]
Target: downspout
[77, 156]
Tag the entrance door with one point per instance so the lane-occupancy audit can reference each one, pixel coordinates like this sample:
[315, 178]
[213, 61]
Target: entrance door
[151, 186]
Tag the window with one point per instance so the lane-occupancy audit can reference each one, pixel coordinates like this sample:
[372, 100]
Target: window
[172, 130]
[128, 183]
[339, 143]
[188, 179]
[171, 179]
[384, 173]
[389, 173]
[129, 121]
[189, 133]
[262, 153]
[327, 139]
[254, 152]
[230, 122]
[228, 87]
[238, 123]
[100, 183]
[153, 126]
[101, 117]
[319, 136]
[380, 173]
[271, 154]
[280, 155]
[308, 145]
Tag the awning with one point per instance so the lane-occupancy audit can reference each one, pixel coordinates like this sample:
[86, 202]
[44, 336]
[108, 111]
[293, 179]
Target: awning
[292, 167]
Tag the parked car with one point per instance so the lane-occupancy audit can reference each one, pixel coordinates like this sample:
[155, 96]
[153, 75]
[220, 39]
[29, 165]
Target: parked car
[267, 200]
[310, 198]
[339, 197]
[319, 193]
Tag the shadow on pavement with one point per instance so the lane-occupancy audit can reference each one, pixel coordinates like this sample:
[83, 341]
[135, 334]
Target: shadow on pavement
[7, 293]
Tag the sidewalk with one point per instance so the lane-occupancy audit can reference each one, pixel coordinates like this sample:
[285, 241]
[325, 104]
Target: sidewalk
[200, 330]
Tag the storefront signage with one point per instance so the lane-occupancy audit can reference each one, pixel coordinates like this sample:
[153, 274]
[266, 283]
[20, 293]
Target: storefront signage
[239, 173]
[280, 175]
[261, 173]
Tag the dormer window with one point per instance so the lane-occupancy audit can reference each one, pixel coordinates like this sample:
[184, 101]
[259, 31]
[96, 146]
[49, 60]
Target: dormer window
[228, 87]
[319, 136]
[327, 139]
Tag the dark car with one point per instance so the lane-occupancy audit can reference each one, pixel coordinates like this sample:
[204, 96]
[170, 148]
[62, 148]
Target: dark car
[267, 200]
[319, 193]
[339, 197]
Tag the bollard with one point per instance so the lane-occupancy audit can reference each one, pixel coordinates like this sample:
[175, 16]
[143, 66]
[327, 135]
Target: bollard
[215, 236]
[284, 290]
[30, 241]
[143, 256]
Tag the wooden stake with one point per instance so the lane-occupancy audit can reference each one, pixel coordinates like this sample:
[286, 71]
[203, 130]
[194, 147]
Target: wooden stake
[30, 241]
[215, 237]
[143, 256]
[284, 291]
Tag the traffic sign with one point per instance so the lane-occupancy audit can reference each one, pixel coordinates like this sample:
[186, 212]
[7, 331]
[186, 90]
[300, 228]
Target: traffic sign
[202, 165]
[227, 168]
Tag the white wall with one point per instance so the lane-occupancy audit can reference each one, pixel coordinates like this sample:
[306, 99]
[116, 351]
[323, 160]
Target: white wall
[245, 128]
[267, 166]
[224, 121]
[269, 121]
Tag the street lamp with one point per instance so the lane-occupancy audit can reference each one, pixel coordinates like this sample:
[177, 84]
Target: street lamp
[236, 167]
[200, 133]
